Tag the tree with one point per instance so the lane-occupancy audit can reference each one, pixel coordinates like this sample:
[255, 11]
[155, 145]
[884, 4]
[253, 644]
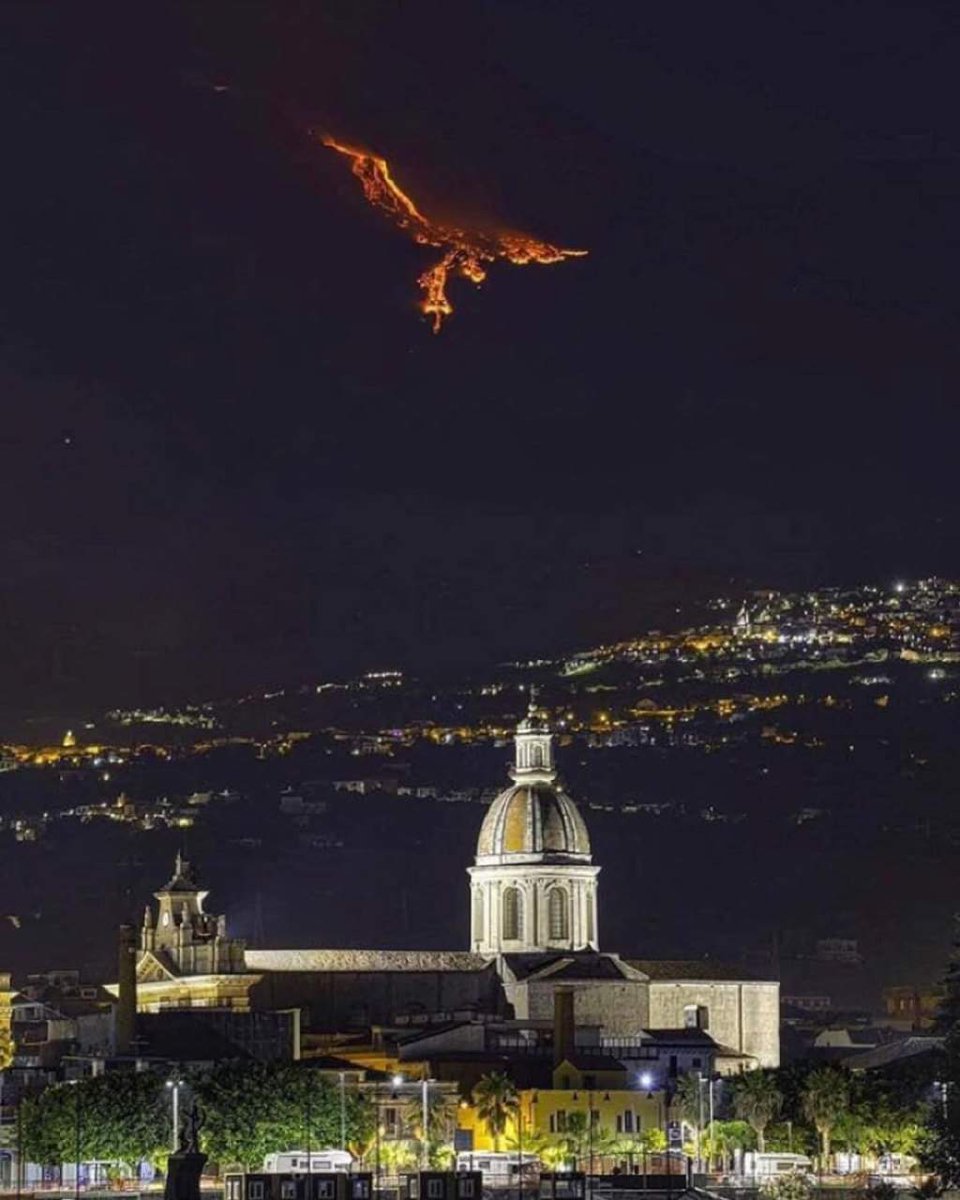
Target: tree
[495, 1097]
[121, 1117]
[441, 1124]
[726, 1136]
[939, 1144]
[254, 1109]
[948, 1014]
[826, 1098]
[757, 1100]
[688, 1099]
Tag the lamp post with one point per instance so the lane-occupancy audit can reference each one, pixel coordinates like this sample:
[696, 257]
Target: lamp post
[78, 1126]
[376, 1135]
[590, 1141]
[343, 1110]
[307, 1114]
[425, 1121]
[175, 1085]
[700, 1083]
[19, 1147]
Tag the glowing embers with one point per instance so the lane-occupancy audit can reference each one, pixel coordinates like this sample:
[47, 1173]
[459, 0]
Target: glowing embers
[465, 251]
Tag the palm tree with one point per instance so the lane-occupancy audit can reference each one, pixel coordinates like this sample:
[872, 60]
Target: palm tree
[757, 1100]
[496, 1099]
[688, 1099]
[826, 1097]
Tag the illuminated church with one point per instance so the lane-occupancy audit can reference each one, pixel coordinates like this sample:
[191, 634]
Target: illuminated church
[534, 930]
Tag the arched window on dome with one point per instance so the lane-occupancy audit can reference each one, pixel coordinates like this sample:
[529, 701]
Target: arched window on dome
[536, 755]
[558, 914]
[512, 914]
[478, 915]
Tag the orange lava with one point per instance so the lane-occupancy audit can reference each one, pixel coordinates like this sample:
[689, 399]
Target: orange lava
[465, 251]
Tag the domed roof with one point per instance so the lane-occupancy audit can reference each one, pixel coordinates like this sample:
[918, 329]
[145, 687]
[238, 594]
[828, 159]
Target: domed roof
[533, 819]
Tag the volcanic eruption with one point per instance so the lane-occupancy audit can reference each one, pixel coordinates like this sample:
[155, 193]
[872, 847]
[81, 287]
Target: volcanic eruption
[465, 251]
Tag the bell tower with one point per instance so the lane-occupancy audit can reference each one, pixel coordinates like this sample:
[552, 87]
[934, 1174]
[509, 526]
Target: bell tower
[192, 941]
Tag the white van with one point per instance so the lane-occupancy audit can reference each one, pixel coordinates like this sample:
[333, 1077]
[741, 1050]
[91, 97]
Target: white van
[499, 1167]
[288, 1162]
[771, 1166]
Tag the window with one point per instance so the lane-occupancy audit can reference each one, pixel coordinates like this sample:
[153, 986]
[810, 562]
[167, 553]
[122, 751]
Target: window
[288, 1190]
[255, 1190]
[558, 1121]
[696, 1016]
[512, 914]
[590, 1082]
[594, 1116]
[478, 914]
[233, 1189]
[434, 1189]
[466, 1189]
[627, 1122]
[590, 911]
[558, 914]
[325, 1189]
[696, 1062]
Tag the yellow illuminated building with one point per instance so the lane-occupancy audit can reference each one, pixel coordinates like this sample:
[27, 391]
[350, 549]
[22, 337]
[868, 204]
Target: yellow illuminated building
[544, 1114]
[7, 994]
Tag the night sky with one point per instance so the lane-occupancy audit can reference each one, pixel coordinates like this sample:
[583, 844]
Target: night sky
[234, 453]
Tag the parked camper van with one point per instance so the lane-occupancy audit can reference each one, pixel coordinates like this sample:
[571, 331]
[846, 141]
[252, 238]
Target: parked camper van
[499, 1168]
[759, 1167]
[323, 1161]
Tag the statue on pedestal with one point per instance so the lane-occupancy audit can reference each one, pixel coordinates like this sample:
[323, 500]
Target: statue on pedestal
[185, 1165]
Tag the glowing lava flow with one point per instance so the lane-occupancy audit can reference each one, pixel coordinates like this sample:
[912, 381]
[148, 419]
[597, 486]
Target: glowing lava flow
[465, 251]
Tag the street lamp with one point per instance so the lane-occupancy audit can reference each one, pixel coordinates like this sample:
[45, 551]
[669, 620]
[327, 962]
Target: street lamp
[175, 1085]
[395, 1081]
[74, 1083]
[343, 1110]
[425, 1118]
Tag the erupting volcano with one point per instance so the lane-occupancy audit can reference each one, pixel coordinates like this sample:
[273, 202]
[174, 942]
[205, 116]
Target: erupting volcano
[465, 251]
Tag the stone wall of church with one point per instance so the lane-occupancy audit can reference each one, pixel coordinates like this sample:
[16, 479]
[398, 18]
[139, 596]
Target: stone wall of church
[340, 1000]
[743, 1016]
[761, 1022]
[620, 1007]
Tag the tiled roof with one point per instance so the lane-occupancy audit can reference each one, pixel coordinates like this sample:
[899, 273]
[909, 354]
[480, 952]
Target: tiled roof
[587, 965]
[364, 960]
[694, 969]
[884, 1056]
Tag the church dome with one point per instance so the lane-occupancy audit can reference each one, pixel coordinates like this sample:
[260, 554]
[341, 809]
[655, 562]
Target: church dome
[533, 886]
[533, 819]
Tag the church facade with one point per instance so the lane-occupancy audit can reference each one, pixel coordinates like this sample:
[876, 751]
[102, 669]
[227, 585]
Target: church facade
[534, 931]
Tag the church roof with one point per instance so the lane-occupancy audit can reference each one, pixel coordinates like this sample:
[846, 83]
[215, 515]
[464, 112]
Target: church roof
[585, 965]
[533, 819]
[894, 1052]
[365, 960]
[697, 968]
